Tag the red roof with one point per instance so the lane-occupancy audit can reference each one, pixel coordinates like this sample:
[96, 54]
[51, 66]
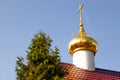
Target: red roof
[74, 73]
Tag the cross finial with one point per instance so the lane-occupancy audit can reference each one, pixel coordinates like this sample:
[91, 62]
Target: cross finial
[80, 13]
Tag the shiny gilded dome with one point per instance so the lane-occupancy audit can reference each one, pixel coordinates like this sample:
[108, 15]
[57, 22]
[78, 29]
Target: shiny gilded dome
[82, 42]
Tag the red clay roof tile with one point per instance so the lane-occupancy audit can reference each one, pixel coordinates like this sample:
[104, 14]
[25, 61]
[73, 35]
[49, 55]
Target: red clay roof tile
[74, 73]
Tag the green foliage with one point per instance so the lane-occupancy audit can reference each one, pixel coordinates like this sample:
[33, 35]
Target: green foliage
[42, 61]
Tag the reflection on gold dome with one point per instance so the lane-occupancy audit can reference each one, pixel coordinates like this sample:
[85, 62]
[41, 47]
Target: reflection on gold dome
[82, 41]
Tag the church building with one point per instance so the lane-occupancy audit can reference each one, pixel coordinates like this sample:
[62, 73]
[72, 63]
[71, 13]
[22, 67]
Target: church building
[83, 49]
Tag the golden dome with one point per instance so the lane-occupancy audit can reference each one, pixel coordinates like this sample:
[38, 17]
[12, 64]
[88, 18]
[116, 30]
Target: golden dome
[82, 41]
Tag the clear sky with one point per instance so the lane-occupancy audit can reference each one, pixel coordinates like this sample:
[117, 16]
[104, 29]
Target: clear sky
[21, 19]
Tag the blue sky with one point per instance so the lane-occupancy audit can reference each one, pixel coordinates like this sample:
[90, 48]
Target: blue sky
[21, 19]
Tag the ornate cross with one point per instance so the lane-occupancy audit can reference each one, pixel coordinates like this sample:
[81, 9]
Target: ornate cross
[80, 12]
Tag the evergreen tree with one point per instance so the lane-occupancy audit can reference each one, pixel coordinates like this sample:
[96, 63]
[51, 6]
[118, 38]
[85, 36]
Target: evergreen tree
[42, 61]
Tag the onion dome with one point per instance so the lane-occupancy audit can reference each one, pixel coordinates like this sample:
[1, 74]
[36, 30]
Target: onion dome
[82, 41]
